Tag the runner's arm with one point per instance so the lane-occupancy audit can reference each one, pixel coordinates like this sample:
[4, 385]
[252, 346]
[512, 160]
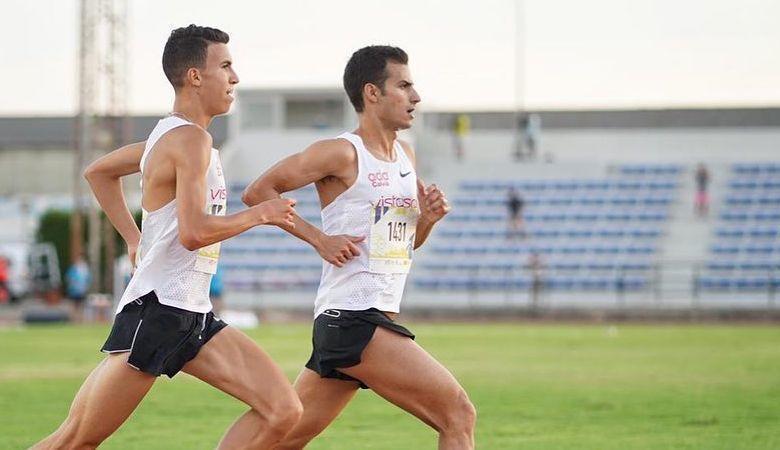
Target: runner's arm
[191, 150]
[332, 157]
[103, 176]
[433, 204]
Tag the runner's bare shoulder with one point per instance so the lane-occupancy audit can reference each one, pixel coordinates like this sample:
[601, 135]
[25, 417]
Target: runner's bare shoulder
[186, 143]
[335, 153]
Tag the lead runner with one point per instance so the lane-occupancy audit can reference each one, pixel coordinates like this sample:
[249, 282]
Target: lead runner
[368, 188]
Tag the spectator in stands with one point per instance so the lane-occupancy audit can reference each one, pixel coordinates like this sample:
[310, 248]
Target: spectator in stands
[702, 200]
[5, 295]
[77, 282]
[461, 124]
[215, 290]
[533, 127]
[529, 127]
[515, 205]
[536, 267]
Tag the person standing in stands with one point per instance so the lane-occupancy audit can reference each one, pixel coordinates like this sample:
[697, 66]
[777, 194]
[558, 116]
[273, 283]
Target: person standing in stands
[533, 127]
[536, 267]
[702, 200]
[529, 127]
[515, 205]
[461, 124]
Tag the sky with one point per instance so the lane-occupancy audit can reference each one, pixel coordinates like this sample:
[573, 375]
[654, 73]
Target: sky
[464, 55]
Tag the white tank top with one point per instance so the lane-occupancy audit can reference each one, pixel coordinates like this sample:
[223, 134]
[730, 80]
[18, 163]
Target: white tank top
[382, 206]
[179, 277]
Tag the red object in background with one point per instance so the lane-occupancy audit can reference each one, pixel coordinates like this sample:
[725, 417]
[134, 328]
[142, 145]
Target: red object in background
[4, 294]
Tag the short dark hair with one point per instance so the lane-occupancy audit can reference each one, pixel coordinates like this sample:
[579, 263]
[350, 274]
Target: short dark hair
[186, 48]
[368, 65]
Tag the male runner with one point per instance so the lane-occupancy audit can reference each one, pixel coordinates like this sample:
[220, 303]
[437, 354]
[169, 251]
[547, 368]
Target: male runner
[164, 322]
[374, 213]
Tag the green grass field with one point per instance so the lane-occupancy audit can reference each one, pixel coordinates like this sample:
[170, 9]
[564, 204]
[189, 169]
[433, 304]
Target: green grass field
[534, 386]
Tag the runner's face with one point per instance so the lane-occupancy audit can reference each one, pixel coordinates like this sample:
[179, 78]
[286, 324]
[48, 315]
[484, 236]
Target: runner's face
[400, 99]
[218, 79]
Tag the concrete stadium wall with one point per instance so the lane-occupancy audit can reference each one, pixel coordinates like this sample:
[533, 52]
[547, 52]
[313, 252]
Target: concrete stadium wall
[682, 145]
[35, 171]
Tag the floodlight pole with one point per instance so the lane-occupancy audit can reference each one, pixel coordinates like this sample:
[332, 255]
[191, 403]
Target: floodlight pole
[101, 121]
[519, 100]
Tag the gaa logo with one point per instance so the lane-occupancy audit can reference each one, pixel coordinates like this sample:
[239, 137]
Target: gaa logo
[378, 179]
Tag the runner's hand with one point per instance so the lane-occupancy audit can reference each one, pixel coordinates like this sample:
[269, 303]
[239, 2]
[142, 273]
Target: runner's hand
[279, 212]
[433, 202]
[132, 251]
[339, 249]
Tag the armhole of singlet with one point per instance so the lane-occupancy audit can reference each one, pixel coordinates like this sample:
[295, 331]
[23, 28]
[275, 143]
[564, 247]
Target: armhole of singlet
[142, 165]
[357, 176]
[148, 151]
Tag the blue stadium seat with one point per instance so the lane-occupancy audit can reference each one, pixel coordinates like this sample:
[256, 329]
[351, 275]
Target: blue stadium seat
[726, 265]
[725, 249]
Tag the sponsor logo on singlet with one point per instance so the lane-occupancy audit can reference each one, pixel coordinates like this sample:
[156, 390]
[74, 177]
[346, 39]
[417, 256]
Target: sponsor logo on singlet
[378, 179]
[218, 194]
[395, 201]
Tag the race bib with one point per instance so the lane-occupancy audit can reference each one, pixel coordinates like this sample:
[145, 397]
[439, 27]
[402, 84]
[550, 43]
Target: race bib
[208, 256]
[392, 239]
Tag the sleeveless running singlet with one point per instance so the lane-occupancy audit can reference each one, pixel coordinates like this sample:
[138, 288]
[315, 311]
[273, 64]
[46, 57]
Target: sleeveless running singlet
[179, 277]
[381, 205]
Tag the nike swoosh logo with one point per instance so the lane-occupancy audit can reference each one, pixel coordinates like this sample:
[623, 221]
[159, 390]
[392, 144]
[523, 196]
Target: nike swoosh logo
[405, 174]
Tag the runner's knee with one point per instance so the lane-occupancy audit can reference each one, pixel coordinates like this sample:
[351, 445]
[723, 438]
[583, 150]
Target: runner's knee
[284, 415]
[460, 415]
[304, 432]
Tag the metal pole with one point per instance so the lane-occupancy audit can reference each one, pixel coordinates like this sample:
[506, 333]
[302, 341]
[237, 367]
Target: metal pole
[102, 90]
[82, 128]
[115, 119]
[519, 107]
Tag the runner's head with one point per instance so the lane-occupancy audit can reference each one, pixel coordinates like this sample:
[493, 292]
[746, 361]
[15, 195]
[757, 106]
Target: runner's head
[377, 81]
[196, 59]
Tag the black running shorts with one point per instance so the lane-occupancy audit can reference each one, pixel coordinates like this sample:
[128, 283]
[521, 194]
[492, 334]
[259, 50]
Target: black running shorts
[160, 338]
[340, 336]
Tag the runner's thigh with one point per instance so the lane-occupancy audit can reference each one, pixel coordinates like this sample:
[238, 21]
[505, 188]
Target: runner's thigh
[108, 397]
[235, 364]
[402, 372]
